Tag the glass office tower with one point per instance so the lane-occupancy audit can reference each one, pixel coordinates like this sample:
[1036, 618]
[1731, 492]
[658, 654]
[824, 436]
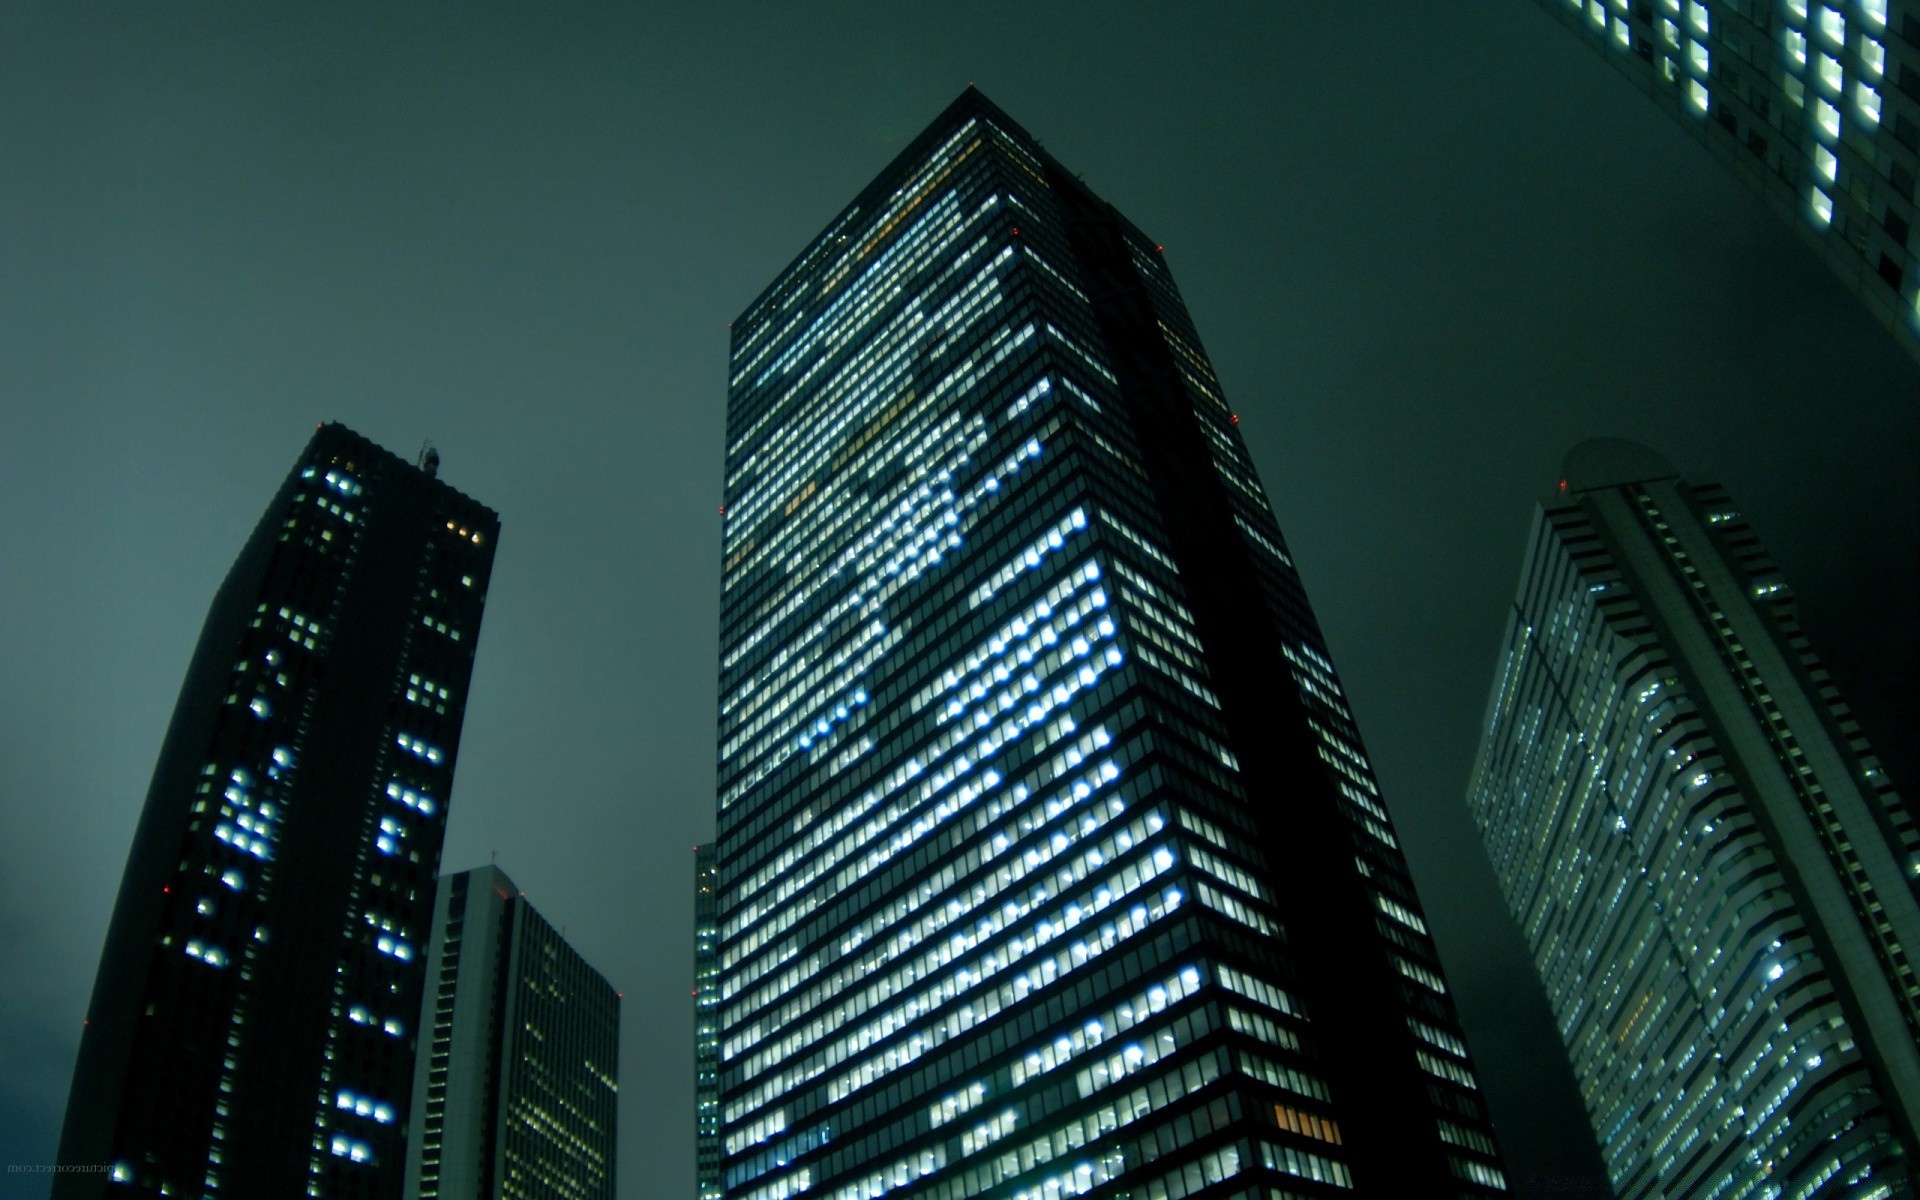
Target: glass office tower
[706, 1024]
[1814, 104]
[1050, 860]
[251, 1029]
[1715, 875]
[516, 1096]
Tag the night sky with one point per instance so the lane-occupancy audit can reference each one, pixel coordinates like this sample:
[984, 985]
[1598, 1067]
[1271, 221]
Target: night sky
[1429, 246]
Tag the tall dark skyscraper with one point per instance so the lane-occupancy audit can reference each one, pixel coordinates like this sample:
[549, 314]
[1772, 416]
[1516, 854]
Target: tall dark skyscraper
[1715, 875]
[1050, 859]
[706, 1024]
[1814, 104]
[515, 1095]
[251, 1031]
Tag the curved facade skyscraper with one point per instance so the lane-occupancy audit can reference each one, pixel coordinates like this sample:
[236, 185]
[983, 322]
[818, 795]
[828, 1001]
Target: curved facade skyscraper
[1715, 875]
[251, 1032]
[1050, 860]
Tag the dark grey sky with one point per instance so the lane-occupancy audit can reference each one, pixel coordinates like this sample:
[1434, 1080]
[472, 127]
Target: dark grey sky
[1429, 246]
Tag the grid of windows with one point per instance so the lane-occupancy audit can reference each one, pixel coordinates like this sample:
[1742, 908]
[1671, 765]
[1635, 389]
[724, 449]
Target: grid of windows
[516, 1098]
[1712, 871]
[997, 907]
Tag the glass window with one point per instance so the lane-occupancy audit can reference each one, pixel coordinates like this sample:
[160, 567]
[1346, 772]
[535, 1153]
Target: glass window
[1867, 101]
[1822, 208]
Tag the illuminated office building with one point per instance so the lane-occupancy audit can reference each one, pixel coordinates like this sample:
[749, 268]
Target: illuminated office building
[251, 1029]
[706, 1028]
[515, 1093]
[1050, 860]
[1815, 106]
[1714, 874]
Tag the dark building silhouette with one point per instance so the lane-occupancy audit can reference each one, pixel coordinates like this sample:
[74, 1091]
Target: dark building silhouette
[706, 1028]
[515, 1093]
[1050, 859]
[1814, 104]
[1714, 873]
[251, 1032]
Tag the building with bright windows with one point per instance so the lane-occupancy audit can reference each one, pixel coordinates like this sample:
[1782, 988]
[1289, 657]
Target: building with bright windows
[1050, 860]
[251, 1031]
[706, 1028]
[1714, 873]
[1816, 106]
[515, 1091]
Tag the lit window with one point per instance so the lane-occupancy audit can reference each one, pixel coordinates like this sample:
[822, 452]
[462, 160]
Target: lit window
[1822, 208]
[1597, 11]
[417, 800]
[1669, 32]
[1827, 117]
[213, 956]
[1697, 94]
[1621, 34]
[1873, 56]
[1825, 163]
[1697, 55]
[1833, 27]
[420, 747]
[364, 1106]
[1697, 15]
[1798, 8]
[1829, 71]
[350, 1149]
[1868, 102]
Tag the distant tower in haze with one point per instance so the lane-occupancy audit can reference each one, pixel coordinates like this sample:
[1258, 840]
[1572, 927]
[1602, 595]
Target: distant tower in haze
[1715, 876]
[706, 1024]
[251, 1031]
[1050, 860]
[515, 1094]
[1814, 105]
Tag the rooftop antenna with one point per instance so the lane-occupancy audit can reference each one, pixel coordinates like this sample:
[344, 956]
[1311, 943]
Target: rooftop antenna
[429, 460]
